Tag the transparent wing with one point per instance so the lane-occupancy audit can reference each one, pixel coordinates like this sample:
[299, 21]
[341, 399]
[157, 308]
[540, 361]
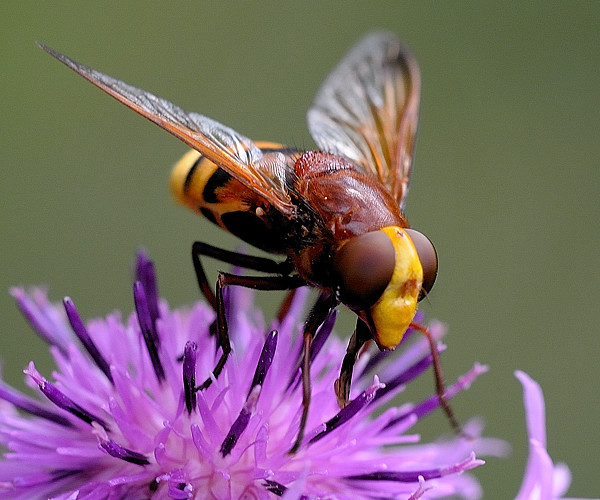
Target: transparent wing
[264, 173]
[367, 110]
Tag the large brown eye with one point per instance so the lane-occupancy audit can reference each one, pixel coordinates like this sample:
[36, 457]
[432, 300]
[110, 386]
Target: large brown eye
[364, 267]
[427, 256]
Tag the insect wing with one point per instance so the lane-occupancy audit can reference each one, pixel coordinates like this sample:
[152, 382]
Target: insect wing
[265, 174]
[367, 110]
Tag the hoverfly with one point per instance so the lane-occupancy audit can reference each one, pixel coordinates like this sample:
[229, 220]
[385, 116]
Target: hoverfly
[335, 214]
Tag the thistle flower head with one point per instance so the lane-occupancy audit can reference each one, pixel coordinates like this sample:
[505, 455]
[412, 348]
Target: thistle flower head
[121, 417]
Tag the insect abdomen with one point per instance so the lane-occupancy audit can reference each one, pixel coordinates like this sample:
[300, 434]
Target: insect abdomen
[199, 184]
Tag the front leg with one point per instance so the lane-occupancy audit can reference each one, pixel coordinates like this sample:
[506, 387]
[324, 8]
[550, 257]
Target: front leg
[317, 316]
[359, 338]
[254, 282]
[234, 258]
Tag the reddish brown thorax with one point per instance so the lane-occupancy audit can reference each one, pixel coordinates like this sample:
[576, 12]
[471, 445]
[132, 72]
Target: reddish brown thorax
[350, 203]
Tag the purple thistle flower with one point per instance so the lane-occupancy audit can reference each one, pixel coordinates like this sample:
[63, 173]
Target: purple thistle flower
[121, 419]
[543, 480]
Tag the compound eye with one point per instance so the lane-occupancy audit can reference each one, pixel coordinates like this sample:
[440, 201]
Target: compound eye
[364, 267]
[428, 257]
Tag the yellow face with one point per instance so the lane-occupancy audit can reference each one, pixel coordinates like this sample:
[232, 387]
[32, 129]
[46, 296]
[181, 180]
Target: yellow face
[392, 314]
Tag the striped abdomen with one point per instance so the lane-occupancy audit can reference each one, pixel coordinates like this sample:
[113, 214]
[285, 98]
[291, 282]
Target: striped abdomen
[202, 186]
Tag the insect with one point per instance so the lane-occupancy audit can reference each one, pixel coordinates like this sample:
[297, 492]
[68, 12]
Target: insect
[334, 214]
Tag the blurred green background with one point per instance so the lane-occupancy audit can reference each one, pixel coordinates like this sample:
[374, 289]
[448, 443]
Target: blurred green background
[506, 176]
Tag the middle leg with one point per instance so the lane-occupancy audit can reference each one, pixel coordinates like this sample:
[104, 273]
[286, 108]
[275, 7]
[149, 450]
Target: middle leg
[317, 316]
[254, 282]
[261, 264]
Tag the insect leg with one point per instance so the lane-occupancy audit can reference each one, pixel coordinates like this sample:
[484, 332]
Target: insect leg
[318, 314]
[359, 338]
[235, 258]
[254, 282]
[439, 380]
[285, 305]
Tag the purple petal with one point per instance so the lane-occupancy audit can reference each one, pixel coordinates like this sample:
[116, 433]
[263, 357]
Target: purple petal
[275, 487]
[265, 360]
[30, 405]
[189, 375]
[413, 476]
[279, 489]
[148, 329]
[541, 478]
[81, 331]
[42, 317]
[349, 411]
[118, 451]
[262, 368]
[146, 275]
[179, 488]
[420, 491]
[535, 409]
[322, 334]
[406, 376]
[433, 402]
[240, 424]
[60, 399]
